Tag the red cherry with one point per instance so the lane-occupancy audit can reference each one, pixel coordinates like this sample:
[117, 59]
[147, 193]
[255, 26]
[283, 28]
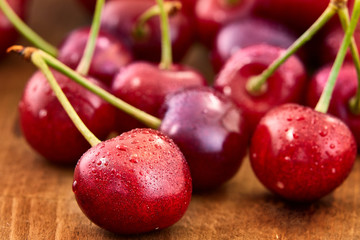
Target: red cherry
[247, 32]
[120, 17]
[134, 183]
[7, 31]
[297, 14]
[300, 154]
[211, 15]
[330, 44]
[285, 85]
[145, 86]
[210, 130]
[109, 57]
[344, 90]
[47, 127]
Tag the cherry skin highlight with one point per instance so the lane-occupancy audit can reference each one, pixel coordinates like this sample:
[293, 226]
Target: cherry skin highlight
[246, 32]
[211, 15]
[211, 132]
[344, 90]
[134, 183]
[145, 86]
[47, 127]
[300, 154]
[285, 85]
[120, 18]
[110, 54]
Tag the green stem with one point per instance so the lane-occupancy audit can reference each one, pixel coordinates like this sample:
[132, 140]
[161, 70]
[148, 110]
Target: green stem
[256, 85]
[38, 61]
[323, 104]
[142, 116]
[140, 27]
[354, 103]
[166, 51]
[26, 31]
[84, 65]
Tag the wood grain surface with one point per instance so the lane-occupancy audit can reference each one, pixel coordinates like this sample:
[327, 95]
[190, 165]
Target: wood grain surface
[36, 200]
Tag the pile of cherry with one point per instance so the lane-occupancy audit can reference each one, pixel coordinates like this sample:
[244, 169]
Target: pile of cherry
[143, 179]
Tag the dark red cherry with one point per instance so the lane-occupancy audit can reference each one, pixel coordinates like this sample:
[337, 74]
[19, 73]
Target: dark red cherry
[8, 34]
[47, 127]
[297, 14]
[109, 57]
[120, 17]
[300, 154]
[285, 85]
[145, 86]
[210, 131]
[331, 42]
[246, 32]
[134, 183]
[211, 15]
[344, 90]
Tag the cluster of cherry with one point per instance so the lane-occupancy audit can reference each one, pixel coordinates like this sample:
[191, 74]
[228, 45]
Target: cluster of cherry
[140, 181]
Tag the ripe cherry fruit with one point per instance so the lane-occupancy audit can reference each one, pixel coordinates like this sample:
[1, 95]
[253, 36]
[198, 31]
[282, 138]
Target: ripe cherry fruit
[134, 183]
[285, 85]
[211, 132]
[49, 130]
[301, 154]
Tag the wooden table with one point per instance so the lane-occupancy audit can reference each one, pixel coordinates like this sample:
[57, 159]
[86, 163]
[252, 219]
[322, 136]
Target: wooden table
[36, 200]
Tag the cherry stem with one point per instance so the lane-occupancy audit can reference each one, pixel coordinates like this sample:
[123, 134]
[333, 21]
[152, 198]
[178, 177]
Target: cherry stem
[84, 65]
[256, 84]
[232, 2]
[38, 61]
[142, 116]
[25, 30]
[354, 103]
[166, 51]
[324, 101]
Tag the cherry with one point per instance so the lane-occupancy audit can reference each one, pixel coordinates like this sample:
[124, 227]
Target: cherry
[285, 85]
[134, 183]
[110, 54]
[345, 89]
[7, 31]
[49, 130]
[211, 15]
[297, 14]
[120, 18]
[210, 131]
[331, 43]
[145, 86]
[246, 32]
[300, 154]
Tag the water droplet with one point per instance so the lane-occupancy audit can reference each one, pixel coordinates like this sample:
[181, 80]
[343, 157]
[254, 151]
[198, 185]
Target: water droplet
[323, 133]
[74, 186]
[295, 135]
[254, 155]
[333, 170]
[289, 119]
[300, 118]
[287, 158]
[135, 142]
[93, 170]
[99, 162]
[332, 146]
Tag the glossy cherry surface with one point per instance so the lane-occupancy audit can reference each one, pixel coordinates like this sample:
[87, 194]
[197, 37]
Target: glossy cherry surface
[344, 90]
[120, 18]
[47, 127]
[134, 183]
[145, 86]
[246, 32]
[7, 31]
[211, 15]
[331, 43]
[300, 154]
[211, 132]
[285, 85]
[110, 54]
